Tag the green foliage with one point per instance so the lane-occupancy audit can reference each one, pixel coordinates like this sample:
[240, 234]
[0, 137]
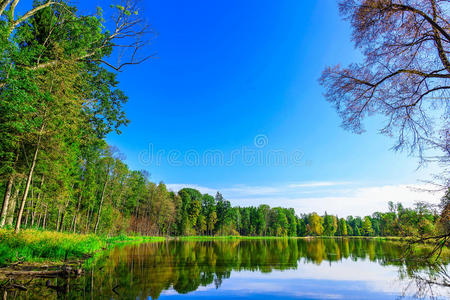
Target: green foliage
[330, 225]
[367, 229]
[314, 226]
[342, 228]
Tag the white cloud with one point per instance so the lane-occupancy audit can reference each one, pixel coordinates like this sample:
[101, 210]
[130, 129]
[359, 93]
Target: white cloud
[317, 184]
[343, 200]
[251, 190]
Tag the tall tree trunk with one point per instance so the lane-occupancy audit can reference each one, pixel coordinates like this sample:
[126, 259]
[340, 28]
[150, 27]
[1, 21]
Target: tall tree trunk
[119, 198]
[41, 212]
[88, 220]
[75, 215]
[59, 218]
[29, 206]
[30, 176]
[12, 206]
[27, 214]
[39, 220]
[101, 202]
[6, 201]
[5, 208]
[44, 222]
[61, 226]
[34, 209]
[74, 229]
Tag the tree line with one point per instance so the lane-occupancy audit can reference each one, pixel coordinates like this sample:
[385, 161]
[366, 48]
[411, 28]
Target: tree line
[109, 198]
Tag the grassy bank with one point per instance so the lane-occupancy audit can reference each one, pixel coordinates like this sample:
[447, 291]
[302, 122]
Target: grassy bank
[44, 246]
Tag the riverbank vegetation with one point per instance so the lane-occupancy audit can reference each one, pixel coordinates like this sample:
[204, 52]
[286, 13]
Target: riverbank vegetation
[32, 245]
[36, 245]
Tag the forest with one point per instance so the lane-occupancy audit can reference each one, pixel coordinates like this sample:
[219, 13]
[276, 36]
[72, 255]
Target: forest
[59, 100]
[122, 201]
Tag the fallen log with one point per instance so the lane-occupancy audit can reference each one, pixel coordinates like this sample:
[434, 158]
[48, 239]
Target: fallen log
[52, 273]
[32, 273]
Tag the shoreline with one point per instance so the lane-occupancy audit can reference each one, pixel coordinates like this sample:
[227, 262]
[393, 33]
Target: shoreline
[39, 252]
[43, 253]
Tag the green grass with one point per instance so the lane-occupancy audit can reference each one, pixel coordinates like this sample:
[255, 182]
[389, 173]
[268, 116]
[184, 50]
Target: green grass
[37, 246]
[134, 239]
[32, 245]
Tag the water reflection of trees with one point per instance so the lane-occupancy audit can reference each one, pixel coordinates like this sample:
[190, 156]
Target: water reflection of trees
[148, 269]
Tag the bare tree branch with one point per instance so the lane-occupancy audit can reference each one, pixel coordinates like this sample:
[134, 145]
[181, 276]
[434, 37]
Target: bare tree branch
[403, 7]
[405, 44]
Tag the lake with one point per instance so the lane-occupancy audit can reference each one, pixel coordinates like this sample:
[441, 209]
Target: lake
[248, 269]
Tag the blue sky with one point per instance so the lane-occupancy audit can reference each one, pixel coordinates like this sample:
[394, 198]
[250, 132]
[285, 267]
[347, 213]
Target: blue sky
[232, 73]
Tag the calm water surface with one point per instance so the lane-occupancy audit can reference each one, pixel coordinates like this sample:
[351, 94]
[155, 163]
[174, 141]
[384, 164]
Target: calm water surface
[243, 269]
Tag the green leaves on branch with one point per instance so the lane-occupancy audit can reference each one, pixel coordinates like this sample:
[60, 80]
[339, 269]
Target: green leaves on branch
[125, 11]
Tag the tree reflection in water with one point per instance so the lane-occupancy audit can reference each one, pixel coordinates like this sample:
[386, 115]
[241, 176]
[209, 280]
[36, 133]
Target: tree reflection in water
[140, 271]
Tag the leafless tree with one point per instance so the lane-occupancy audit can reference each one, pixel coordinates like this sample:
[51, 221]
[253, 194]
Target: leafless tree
[405, 75]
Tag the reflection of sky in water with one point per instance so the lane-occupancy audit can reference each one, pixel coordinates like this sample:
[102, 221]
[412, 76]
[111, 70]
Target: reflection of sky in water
[346, 279]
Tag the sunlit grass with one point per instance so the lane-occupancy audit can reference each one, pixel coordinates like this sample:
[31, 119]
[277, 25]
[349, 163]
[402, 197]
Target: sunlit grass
[135, 238]
[37, 245]
[32, 245]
